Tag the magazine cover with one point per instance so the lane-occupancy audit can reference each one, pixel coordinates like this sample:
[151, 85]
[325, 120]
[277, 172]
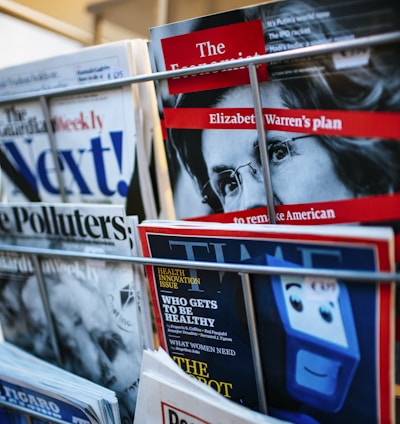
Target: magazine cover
[56, 383]
[30, 398]
[94, 136]
[40, 389]
[40, 392]
[93, 304]
[202, 322]
[334, 115]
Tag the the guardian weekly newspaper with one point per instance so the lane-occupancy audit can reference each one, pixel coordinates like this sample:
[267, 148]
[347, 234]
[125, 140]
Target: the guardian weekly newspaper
[97, 135]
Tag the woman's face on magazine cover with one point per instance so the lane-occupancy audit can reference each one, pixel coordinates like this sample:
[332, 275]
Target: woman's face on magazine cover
[301, 169]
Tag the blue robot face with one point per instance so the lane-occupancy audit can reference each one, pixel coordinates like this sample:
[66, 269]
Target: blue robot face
[319, 316]
[321, 343]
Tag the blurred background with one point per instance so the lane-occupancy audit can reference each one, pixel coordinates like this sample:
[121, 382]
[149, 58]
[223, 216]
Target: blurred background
[34, 29]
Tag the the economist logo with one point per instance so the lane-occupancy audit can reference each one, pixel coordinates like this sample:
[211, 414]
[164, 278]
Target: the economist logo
[214, 46]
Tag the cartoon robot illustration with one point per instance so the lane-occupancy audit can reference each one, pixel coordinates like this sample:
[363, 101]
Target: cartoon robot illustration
[322, 352]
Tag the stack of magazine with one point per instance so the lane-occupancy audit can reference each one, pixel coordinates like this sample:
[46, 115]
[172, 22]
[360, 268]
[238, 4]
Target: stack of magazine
[314, 142]
[34, 391]
[92, 146]
[294, 340]
[88, 316]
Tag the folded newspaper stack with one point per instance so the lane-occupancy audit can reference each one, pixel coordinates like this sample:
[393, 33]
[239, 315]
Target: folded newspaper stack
[92, 141]
[32, 390]
[87, 316]
[168, 395]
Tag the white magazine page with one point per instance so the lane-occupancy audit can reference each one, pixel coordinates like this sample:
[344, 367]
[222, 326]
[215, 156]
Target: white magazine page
[153, 143]
[86, 66]
[168, 402]
[95, 136]
[143, 184]
[163, 382]
[383, 233]
[142, 287]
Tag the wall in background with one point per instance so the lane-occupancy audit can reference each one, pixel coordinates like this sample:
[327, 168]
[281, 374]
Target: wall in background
[23, 42]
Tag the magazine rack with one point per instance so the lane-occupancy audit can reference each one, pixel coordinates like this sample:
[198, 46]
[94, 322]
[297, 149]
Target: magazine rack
[243, 270]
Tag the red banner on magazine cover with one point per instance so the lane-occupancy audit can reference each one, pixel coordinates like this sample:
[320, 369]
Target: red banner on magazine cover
[214, 46]
[363, 209]
[330, 122]
[369, 210]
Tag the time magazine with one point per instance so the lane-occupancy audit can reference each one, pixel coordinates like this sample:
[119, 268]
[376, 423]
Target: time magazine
[344, 329]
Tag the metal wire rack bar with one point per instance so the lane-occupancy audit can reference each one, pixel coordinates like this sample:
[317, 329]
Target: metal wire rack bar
[348, 275]
[325, 48]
